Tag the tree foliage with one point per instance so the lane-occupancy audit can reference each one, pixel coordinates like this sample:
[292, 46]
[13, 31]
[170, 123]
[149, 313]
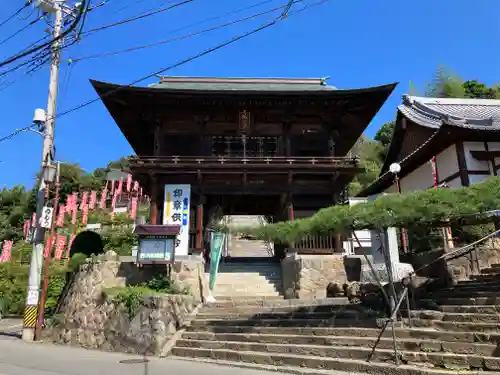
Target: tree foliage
[17, 203]
[424, 208]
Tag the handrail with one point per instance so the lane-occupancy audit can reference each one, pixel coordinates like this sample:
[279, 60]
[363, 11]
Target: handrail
[458, 252]
[245, 160]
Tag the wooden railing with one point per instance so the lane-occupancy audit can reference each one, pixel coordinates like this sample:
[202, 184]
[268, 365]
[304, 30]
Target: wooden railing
[323, 161]
[317, 242]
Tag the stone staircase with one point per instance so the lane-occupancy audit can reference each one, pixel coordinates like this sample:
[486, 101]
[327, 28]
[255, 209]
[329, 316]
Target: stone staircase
[458, 332]
[248, 279]
[244, 247]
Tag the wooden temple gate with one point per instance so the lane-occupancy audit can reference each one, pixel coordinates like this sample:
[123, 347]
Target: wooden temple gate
[270, 147]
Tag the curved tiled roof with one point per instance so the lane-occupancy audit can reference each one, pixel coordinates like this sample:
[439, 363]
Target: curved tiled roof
[470, 113]
[433, 113]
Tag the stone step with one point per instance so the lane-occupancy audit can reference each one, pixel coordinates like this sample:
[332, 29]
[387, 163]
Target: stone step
[249, 266]
[478, 282]
[349, 367]
[279, 309]
[489, 271]
[249, 275]
[247, 299]
[259, 302]
[457, 317]
[339, 322]
[464, 301]
[476, 286]
[464, 293]
[485, 277]
[244, 296]
[425, 345]
[294, 322]
[254, 286]
[336, 358]
[235, 292]
[401, 333]
[480, 309]
[346, 314]
[496, 266]
[454, 326]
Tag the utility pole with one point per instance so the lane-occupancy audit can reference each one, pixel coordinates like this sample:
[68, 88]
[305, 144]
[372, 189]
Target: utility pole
[35, 271]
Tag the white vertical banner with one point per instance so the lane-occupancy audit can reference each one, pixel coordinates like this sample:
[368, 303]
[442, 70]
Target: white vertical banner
[176, 212]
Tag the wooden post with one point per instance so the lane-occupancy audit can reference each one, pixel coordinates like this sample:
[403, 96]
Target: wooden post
[153, 210]
[199, 223]
[290, 215]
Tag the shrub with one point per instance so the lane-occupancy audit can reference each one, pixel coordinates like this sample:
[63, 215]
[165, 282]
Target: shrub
[14, 283]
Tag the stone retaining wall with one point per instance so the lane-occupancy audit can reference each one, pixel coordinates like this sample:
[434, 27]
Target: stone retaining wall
[310, 276]
[90, 319]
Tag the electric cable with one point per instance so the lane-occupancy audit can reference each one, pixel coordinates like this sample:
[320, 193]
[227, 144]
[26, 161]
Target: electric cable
[27, 4]
[136, 18]
[16, 132]
[191, 58]
[29, 51]
[182, 37]
[21, 30]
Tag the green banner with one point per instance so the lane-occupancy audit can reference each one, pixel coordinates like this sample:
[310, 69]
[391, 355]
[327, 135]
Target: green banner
[216, 244]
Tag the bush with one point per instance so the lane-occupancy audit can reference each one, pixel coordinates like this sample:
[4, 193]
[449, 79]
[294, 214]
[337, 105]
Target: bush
[119, 239]
[14, 283]
[131, 297]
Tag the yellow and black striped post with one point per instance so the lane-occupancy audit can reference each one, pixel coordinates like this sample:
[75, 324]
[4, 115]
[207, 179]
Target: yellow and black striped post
[30, 315]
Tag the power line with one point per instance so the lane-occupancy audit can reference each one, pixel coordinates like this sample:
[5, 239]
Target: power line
[16, 132]
[21, 30]
[27, 4]
[191, 58]
[182, 37]
[128, 20]
[29, 51]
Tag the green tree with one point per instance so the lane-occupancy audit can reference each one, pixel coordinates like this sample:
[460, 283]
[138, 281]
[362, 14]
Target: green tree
[446, 84]
[478, 90]
[13, 212]
[369, 153]
[384, 137]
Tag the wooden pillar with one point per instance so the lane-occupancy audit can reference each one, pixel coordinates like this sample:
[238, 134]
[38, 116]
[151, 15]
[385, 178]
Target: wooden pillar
[199, 223]
[331, 145]
[337, 237]
[462, 164]
[288, 144]
[153, 210]
[290, 214]
[157, 140]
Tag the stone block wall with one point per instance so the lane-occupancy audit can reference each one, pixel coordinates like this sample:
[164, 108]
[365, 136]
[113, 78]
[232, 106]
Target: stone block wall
[90, 319]
[460, 268]
[309, 276]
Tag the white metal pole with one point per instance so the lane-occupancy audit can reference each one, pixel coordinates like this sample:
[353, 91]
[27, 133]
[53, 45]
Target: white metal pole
[35, 271]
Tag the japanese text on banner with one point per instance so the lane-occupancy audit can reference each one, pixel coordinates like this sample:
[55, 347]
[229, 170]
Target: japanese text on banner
[176, 212]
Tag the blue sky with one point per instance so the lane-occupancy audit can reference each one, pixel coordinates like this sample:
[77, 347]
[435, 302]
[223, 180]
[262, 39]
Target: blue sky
[357, 43]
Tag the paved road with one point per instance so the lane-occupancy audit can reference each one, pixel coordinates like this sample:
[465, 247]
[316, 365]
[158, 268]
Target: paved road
[10, 326]
[20, 358]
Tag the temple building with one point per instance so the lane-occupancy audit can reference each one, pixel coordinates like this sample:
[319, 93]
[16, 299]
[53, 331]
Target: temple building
[253, 146]
[441, 142]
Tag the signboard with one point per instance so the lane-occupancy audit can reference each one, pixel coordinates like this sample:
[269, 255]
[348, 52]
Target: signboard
[176, 212]
[216, 244]
[46, 219]
[94, 227]
[156, 249]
